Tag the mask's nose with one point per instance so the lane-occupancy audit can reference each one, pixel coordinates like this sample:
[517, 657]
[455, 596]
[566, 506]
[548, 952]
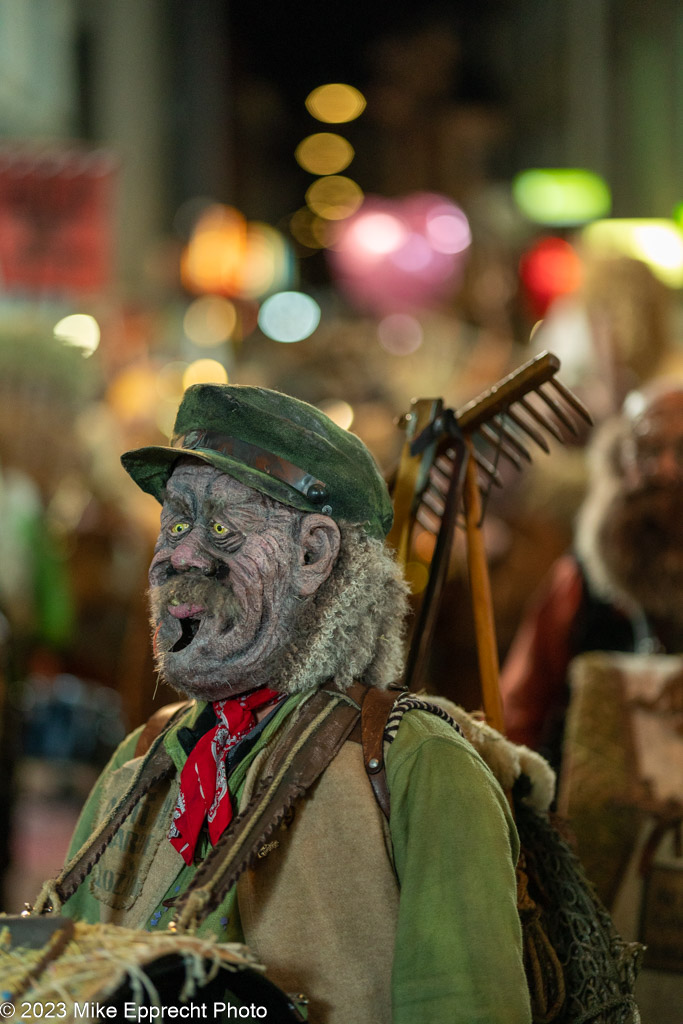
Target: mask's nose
[190, 555]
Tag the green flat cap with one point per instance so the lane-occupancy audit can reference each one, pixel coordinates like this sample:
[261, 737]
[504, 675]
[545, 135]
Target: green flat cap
[279, 445]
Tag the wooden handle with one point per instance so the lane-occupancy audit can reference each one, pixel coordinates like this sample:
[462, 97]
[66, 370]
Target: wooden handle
[482, 605]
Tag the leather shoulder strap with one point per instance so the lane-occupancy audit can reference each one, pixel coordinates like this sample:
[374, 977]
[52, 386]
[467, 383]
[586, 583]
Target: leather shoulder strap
[155, 724]
[303, 754]
[375, 711]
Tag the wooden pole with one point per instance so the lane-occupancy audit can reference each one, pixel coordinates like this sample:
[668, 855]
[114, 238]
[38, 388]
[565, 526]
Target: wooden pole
[482, 605]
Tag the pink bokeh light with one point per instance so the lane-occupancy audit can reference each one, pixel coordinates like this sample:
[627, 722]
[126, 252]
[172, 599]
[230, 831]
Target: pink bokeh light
[401, 255]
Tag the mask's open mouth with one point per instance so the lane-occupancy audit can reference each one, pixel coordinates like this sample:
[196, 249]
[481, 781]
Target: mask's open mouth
[189, 629]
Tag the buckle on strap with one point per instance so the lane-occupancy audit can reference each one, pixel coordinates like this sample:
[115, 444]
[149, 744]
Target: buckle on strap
[256, 458]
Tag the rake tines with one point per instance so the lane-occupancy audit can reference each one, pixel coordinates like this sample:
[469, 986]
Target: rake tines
[450, 454]
[524, 407]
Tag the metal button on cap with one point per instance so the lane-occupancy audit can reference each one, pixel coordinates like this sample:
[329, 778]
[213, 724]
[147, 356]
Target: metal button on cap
[316, 493]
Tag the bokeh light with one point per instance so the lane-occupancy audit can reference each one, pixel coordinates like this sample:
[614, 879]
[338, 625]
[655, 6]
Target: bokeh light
[289, 316]
[308, 229]
[400, 334]
[335, 103]
[340, 412]
[551, 268]
[334, 197]
[377, 234]
[656, 242]
[79, 330]
[447, 229]
[133, 394]
[324, 153]
[400, 255]
[210, 320]
[416, 255]
[228, 256]
[268, 263]
[213, 258]
[561, 197]
[205, 371]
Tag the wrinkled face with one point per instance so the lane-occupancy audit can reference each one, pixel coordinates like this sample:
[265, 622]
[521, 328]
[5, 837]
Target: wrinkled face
[230, 572]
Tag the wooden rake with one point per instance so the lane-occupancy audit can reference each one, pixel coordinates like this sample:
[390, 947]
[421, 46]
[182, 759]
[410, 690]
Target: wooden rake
[448, 466]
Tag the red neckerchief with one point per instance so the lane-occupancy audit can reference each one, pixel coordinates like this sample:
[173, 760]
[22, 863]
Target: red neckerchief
[203, 781]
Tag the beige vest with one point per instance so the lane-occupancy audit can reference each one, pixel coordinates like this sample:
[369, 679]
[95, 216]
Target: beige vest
[319, 908]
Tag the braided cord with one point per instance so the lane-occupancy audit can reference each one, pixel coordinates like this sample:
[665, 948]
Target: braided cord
[409, 702]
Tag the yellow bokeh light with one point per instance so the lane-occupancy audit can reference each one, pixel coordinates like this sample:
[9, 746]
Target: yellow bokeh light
[334, 197]
[227, 256]
[309, 229]
[212, 260]
[133, 393]
[266, 262]
[210, 320]
[340, 412]
[657, 242]
[205, 371]
[324, 153]
[417, 576]
[335, 103]
[79, 331]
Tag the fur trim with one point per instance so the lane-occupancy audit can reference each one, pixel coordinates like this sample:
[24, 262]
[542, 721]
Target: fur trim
[506, 760]
[354, 628]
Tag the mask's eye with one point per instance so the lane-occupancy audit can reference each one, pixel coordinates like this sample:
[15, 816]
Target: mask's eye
[179, 528]
[228, 540]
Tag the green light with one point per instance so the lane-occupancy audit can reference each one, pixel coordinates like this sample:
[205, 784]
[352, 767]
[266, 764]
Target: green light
[657, 242]
[561, 197]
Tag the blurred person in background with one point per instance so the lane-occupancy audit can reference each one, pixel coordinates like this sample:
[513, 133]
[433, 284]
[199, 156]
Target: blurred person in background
[621, 587]
[614, 334]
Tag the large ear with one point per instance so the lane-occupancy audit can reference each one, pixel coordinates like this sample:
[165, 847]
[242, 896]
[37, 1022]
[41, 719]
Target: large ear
[319, 542]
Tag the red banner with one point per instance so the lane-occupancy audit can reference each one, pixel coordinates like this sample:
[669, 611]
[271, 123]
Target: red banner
[56, 221]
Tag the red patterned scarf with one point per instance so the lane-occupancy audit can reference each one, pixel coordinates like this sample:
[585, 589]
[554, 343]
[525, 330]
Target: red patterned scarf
[203, 781]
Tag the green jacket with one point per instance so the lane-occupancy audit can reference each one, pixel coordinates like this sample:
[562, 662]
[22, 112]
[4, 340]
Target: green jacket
[414, 923]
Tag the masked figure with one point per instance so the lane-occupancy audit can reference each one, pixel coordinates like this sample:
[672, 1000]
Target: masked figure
[622, 587]
[272, 593]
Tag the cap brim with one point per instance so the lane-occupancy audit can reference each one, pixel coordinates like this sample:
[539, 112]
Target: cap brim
[152, 466]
